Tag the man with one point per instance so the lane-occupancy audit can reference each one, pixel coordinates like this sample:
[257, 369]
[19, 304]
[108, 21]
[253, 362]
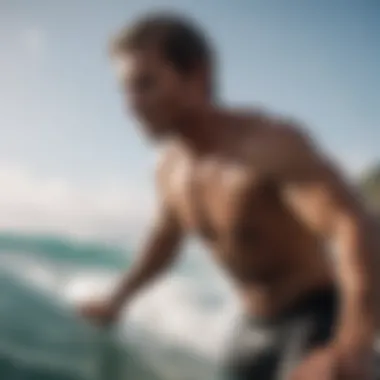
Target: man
[264, 198]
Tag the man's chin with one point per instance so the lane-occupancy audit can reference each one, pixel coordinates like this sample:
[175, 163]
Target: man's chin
[159, 135]
[156, 138]
[154, 131]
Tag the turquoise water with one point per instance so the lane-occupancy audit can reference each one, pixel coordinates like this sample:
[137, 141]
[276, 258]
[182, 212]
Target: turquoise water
[40, 335]
[42, 338]
[63, 250]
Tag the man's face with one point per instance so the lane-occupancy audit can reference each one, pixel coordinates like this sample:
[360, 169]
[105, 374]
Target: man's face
[153, 90]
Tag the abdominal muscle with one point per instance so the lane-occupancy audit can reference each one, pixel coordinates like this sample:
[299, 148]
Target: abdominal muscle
[270, 274]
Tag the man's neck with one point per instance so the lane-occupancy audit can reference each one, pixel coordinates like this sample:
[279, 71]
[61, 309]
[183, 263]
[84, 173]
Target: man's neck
[198, 130]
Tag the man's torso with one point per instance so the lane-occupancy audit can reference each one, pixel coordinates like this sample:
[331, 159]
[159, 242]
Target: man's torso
[229, 200]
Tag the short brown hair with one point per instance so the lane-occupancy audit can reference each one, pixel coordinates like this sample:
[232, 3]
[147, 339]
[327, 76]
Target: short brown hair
[178, 39]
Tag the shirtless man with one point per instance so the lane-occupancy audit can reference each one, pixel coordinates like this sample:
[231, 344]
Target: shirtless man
[265, 200]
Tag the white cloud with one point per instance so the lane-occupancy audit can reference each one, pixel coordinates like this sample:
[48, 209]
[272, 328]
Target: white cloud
[35, 204]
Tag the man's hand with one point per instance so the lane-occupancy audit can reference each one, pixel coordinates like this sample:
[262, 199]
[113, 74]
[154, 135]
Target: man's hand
[99, 313]
[330, 364]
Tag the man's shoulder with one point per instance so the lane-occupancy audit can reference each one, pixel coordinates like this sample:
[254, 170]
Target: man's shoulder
[274, 140]
[261, 123]
[270, 120]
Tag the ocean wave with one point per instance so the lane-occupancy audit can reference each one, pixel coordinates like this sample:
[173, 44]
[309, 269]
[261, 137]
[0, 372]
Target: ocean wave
[65, 250]
[43, 278]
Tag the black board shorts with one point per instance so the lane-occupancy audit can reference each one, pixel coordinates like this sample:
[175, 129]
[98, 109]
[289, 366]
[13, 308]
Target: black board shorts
[271, 349]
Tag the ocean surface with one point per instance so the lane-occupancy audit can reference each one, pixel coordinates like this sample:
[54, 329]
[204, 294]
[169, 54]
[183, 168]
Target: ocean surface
[172, 332]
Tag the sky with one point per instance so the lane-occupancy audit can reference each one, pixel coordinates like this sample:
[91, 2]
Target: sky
[70, 159]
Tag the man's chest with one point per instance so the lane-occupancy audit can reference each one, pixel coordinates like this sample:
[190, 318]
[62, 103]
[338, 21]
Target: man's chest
[215, 197]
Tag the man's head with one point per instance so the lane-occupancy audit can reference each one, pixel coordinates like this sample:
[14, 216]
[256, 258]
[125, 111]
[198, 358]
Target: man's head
[165, 66]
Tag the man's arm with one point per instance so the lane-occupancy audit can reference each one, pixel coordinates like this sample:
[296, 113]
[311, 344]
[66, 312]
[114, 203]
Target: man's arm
[158, 254]
[329, 206]
[161, 248]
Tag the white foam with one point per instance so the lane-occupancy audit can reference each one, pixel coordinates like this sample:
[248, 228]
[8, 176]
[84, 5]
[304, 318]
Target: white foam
[170, 310]
[173, 310]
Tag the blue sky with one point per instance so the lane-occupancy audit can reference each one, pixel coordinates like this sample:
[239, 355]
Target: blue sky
[60, 110]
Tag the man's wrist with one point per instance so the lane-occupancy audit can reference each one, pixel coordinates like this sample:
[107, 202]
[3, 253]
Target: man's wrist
[118, 299]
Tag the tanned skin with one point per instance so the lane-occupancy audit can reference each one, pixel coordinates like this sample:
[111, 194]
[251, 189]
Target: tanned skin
[263, 197]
